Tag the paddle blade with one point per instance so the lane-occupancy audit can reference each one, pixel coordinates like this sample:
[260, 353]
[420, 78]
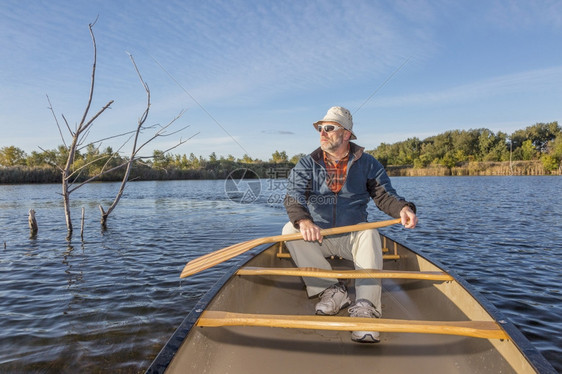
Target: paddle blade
[204, 262]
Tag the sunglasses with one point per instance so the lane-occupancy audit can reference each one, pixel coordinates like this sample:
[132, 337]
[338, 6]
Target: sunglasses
[329, 128]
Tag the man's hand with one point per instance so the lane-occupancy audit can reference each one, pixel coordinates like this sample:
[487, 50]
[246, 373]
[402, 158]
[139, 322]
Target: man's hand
[408, 217]
[310, 232]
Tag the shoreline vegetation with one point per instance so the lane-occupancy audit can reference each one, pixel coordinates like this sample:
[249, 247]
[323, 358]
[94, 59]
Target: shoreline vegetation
[36, 175]
[491, 168]
[535, 150]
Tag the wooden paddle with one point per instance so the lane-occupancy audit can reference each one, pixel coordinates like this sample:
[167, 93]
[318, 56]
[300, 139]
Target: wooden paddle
[222, 255]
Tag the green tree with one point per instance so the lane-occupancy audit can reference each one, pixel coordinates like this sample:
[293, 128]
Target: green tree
[486, 142]
[57, 157]
[12, 156]
[36, 159]
[555, 147]
[407, 151]
[202, 162]
[552, 160]
[422, 161]
[549, 162]
[539, 135]
[296, 158]
[246, 159]
[459, 156]
[385, 153]
[183, 162]
[448, 160]
[279, 157]
[466, 141]
[528, 150]
[194, 161]
[160, 159]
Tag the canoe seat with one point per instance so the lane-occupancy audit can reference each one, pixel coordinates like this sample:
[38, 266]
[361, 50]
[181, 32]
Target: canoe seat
[384, 257]
[476, 329]
[346, 274]
[387, 254]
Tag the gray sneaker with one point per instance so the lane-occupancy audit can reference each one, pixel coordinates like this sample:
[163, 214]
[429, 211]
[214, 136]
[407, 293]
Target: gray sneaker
[332, 300]
[364, 309]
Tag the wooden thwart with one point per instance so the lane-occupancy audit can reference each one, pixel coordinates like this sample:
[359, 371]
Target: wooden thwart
[476, 329]
[346, 274]
[384, 257]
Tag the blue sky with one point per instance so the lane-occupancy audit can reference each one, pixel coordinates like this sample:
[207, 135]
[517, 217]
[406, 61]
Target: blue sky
[252, 77]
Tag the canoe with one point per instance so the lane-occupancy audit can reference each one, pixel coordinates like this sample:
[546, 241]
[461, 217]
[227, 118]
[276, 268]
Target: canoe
[258, 319]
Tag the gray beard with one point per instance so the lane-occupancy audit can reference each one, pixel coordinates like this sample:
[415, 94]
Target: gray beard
[330, 147]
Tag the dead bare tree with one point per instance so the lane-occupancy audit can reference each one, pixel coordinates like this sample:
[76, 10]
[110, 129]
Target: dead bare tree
[79, 136]
[137, 148]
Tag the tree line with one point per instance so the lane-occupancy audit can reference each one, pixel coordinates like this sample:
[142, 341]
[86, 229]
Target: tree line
[16, 166]
[542, 141]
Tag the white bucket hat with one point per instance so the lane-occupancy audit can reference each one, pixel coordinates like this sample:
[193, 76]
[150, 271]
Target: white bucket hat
[341, 116]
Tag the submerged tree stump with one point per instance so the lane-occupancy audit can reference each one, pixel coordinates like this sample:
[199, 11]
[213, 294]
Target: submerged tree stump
[82, 225]
[32, 223]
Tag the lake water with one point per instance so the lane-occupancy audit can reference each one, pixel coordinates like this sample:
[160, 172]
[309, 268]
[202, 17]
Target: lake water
[109, 302]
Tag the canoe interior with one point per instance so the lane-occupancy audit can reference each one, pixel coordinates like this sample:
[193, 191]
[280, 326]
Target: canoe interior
[242, 349]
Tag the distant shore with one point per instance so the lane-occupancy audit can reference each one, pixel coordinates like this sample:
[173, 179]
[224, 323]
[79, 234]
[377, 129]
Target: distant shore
[26, 175]
[474, 168]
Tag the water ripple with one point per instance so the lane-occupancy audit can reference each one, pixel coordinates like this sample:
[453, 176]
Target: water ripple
[110, 302]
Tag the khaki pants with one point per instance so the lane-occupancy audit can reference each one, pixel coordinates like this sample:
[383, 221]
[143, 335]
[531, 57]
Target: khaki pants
[362, 247]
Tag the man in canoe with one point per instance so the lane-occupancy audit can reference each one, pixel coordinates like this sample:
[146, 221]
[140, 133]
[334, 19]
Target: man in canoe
[331, 187]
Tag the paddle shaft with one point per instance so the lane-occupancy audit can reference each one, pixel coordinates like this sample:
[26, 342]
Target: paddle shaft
[214, 258]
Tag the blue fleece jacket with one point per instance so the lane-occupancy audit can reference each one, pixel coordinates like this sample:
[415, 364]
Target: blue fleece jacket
[309, 197]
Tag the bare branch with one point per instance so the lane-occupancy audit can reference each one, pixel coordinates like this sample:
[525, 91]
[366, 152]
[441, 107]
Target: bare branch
[141, 121]
[86, 165]
[93, 79]
[141, 79]
[82, 138]
[95, 21]
[68, 126]
[56, 120]
[102, 171]
[89, 123]
[71, 183]
[112, 137]
[52, 163]
[98, 175]
[160, 132]
[140, 158]
[180, 143]
[175, 132]
[114, 155]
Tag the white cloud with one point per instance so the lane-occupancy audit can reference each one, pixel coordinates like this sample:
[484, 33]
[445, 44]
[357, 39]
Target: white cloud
[279, 49]
[515, 15]
[526, 82]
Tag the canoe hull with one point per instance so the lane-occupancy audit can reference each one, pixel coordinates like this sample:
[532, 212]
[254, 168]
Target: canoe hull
[241, 349]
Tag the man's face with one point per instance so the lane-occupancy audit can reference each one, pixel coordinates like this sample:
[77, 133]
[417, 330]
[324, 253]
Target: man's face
[331, 141]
